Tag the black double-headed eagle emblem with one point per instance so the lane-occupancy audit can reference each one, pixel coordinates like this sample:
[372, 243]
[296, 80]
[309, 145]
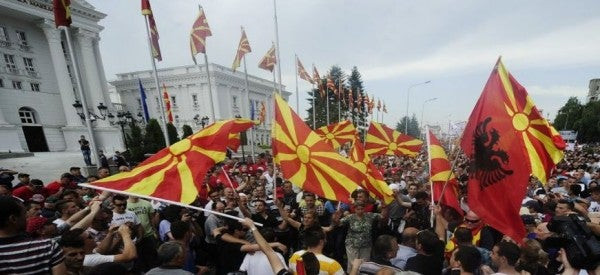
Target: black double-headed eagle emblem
[487, 163]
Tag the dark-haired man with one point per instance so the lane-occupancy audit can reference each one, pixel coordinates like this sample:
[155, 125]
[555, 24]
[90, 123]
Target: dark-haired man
[26, 192]
[314, 240]
[429, 260]
[26, 255]
[504, 257]
[65, 182]
[466, 259]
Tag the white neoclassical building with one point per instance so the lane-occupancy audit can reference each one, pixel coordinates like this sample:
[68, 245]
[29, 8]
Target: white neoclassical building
[37, 88]
[187, 87]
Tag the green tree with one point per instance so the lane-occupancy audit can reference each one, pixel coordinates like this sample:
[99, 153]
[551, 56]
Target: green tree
[588, 127]
[413, 126]
[359, 113]
[172, 133]
[187, 131]
[337, 75]
[569, 115]
[135, 143]
[154, 140]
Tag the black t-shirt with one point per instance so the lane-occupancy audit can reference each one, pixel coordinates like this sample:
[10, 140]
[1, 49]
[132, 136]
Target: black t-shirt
[426, 265]
[270, 221]
[85, 145]
[230, 256]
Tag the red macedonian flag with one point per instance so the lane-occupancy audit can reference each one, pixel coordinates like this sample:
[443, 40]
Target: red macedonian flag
[381, 140]
[506, 140]
[176, 173]
[200, 31]
[243, 49]
[374, 182]
[337, 134]
[234, 142]
[440, 172]
[308, 161]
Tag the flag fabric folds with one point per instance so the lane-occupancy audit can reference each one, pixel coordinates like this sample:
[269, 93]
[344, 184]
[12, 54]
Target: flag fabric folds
[381, 140]
[200, 31]
[143, 101]
[269, 60]
[303, 73]
[234, 141]
[243, 49]
[440, 172]
[337, 134]
[506, 140]
[62, 13]
[147, 11]
[167, 101]
[262, 114]
[350, 100]
[330, 85]
[317, 79]
[374, 181]
[176, 173]
[384, 108]
[308, 161]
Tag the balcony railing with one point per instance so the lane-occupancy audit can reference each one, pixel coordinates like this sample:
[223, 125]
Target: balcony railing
[33, 73]
[5, 44]
[14, 71]
[25, 48]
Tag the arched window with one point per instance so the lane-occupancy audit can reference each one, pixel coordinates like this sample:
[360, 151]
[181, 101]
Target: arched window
[27, 116]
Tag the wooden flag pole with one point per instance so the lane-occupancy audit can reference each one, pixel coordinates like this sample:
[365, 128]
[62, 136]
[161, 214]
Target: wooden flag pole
[164, 201]
[160, 96]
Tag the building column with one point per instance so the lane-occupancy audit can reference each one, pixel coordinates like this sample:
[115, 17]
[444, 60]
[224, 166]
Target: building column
[93, 90]
[63, 79]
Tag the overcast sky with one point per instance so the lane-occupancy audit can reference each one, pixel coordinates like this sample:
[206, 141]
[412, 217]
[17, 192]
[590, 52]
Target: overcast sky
[551, 47]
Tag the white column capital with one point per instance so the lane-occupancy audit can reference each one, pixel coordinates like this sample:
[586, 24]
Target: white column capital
[51, 32]
[86, 37]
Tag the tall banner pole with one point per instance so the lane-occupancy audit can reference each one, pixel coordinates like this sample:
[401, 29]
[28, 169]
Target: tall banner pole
[248, 100]
[313, 107]
[88, 122]
[210, 92]
[339, 107]
[160, 96]
[297, 95]
[277, 42]
[327, 102]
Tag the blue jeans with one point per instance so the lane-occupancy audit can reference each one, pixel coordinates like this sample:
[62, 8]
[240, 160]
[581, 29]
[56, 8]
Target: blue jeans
[87, 157]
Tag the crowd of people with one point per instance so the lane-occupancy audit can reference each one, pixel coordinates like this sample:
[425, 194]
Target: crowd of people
[60, 227]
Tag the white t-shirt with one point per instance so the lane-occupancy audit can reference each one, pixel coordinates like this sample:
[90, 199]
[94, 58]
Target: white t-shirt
[258, 263]
[128, 216]
[594, 207]
[96, 259]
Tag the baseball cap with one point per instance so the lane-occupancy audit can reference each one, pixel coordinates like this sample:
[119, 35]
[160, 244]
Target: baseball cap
[35, 223]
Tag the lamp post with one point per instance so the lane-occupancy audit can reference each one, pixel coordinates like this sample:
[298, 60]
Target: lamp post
[423, 109]
[122, 119]
[408, 100]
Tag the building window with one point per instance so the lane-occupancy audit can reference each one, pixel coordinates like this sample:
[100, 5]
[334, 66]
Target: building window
[139, 101]
[4, 42]
[1, 83]
[157, 103]
[195, 100]
[234, 101]
[9, 60]
[29, 66]
[26, 115]
[176, 119]
[17, 85]
[35, 87]
[173, 101]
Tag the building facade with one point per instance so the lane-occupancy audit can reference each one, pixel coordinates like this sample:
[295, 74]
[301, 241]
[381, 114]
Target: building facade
[37, 87]
[594, 90]
[187, 87]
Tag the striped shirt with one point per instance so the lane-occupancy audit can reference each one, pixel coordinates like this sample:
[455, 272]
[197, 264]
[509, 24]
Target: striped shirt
[21, 255]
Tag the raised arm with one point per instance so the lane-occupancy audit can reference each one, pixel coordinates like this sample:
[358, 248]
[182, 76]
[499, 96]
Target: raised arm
[274, 261]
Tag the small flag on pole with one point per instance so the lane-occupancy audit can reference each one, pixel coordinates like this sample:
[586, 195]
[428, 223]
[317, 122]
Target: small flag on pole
[62, 13]
[167, 104]
[243, 49]
[317, 79]
[269, 60]
[200, 31]
[147, 11]
[143, 101]
[302, 72]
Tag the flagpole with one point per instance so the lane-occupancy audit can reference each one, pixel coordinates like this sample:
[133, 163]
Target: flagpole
[313, 106]
[248, 97]
[86, 113]
[431, 216]
[277, 41]
[327, 100]
[339, 107]
[160, 96]
[210, 95]
[162, 200]
[297, 95]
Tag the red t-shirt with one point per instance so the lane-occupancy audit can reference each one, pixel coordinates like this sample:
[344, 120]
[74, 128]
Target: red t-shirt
[54, 186]
[25, 193]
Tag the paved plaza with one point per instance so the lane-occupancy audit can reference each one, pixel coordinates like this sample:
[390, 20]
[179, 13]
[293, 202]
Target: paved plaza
[45, 166]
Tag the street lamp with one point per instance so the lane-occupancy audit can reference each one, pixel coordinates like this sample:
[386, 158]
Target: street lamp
[122, 119]
[423, 109]
[408, 100]
[101, 107]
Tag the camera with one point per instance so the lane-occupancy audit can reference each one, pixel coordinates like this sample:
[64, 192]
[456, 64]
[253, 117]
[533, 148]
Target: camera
[580, 244]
